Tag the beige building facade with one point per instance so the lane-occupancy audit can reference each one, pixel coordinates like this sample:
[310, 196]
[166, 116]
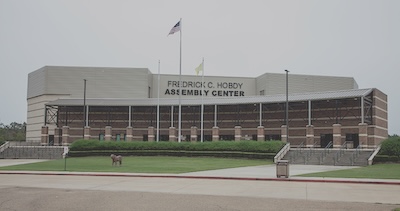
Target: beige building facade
[52, 89]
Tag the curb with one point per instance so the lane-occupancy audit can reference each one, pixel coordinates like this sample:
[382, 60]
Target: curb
[208, 177]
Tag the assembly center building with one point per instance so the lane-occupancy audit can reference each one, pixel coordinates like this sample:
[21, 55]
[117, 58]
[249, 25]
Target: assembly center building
[133, 104]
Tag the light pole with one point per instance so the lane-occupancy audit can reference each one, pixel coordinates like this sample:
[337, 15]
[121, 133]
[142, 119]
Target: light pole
[84, 103]
[287, 106]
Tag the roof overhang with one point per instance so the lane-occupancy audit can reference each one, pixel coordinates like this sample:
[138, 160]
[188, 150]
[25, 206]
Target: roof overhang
[296, 97]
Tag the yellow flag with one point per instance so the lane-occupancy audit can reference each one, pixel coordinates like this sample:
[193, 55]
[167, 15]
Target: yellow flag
[199, 68]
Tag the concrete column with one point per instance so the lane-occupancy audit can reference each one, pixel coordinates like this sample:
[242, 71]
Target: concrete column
[363, 135]
[337, 135]
[65, 135]
[108, 133]
[238, 133]
[57, 136]
[260, 133]
[45, 135]
[150, 134]
[172, 134]
[283, 134]
[309, 135]
[129, 133]
[86, 134]
[193, 134]
[215, 133]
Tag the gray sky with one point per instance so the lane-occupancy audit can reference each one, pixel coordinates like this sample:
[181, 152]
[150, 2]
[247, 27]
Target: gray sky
[351, 38]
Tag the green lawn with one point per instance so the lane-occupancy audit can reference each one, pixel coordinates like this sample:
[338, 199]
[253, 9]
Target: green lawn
[139, 164]
[378, 171]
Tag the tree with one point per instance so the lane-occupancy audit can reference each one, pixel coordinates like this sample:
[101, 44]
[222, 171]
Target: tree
[13, 132]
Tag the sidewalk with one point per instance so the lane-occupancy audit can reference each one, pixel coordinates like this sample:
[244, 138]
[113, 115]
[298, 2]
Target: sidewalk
[13, 162]
[264, 172]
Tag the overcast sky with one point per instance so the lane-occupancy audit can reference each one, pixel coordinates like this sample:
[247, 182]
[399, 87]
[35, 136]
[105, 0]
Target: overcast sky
[351, 38]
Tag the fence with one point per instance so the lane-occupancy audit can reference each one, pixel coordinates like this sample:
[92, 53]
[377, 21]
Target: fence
[29, 150]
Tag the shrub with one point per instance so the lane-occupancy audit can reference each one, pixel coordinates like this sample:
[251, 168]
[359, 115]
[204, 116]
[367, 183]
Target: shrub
[231, 146]
[391, 147]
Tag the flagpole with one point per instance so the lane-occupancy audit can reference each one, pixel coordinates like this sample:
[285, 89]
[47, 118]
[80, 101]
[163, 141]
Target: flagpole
[202, 103]
[180, 83]
[158, 103]
[176, 28]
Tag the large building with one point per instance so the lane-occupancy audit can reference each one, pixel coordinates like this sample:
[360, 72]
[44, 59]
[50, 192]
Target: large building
[122, 104]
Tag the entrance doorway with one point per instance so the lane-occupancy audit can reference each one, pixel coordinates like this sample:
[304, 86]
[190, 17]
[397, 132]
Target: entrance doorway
[51, 140]
[325, 139]
[353, 139]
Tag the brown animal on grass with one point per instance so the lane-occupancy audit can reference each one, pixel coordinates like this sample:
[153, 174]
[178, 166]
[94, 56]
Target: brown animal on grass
[116, 159]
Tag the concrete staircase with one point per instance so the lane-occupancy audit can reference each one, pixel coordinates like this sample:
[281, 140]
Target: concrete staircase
[328, 156]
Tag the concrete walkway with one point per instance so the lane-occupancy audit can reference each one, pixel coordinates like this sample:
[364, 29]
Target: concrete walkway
[239, 184]
[263, 172]
[13, 162]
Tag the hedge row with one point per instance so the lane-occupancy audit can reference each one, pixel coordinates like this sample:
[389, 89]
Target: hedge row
[225, 154]
[221, 146]
[386, 158]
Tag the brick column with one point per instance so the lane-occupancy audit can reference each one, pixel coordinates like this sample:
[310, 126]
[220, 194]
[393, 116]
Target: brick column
[129, 134]
[86, 134]
[45, 135]
[150, 134]
[65, 135]
[283, 134]
[309, 135]
[238, 133]
[363, 135]
[108, 133]
[57, 136]
[260, 133]
[193, 134]
[172, 134]
[215, 133]
[337, 135]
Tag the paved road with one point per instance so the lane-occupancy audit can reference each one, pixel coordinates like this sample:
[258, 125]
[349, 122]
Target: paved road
[69, 192]
[54, 191]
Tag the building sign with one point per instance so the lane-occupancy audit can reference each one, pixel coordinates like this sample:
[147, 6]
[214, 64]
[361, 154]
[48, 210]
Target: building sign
[208, 89]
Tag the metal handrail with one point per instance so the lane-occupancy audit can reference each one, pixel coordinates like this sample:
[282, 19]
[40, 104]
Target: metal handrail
[301, 146]
[326, 151]
[297, 152]
[313, 147]
[342, 148]
[328, 146]
[355, 155]
[340, 153]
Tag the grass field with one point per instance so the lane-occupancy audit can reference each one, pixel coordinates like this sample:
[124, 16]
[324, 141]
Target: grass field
[378, 171]
[139, 164]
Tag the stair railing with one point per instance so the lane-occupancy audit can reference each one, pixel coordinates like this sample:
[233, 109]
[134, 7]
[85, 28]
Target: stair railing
[355, 155]
[300, 147]
[313, 148]
[298, 151]
[340, 153]
[327, 150]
